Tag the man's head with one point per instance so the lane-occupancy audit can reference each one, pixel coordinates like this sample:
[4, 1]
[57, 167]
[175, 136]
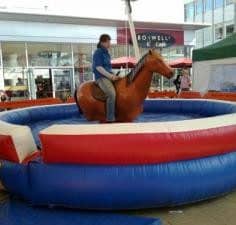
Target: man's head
[104, 41]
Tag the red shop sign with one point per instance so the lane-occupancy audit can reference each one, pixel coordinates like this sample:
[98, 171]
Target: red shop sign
[151, 38]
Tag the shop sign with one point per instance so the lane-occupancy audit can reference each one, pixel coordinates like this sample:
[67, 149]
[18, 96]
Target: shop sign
[155, 40]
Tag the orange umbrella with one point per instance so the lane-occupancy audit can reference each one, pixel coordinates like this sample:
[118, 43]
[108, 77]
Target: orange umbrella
[125, 61]
[181, 63]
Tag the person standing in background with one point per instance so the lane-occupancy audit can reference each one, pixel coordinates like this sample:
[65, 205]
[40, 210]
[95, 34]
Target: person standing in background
[177, 83]
[185, 83]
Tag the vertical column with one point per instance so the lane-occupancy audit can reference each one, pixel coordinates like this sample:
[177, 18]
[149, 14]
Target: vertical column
[162, 78]
[73, 70]
[1, 69]
[213, 21]
[224, 27]
[27, 71]
[234, 15]
[202, 21]
[93, 50]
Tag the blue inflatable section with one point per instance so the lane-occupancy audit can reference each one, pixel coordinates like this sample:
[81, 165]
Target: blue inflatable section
[121, 187]
[197, 108]
[14, 212]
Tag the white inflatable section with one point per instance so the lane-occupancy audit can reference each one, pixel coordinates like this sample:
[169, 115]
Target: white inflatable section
[142, 128]
[22, 138]
[202, 72]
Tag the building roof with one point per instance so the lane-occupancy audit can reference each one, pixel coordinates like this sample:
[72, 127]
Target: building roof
[220, 50]
[97, 22]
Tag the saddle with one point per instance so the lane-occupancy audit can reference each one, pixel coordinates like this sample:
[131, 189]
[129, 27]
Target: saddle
[97, 93]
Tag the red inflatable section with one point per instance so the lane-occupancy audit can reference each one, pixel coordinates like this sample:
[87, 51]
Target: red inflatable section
[142, 148]
[7, 149]
[31, 157]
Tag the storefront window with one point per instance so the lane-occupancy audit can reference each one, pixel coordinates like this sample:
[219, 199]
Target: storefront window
[219, 3]
[41, 83]
[218, 32]
[1, 71]
[83, 62]
[50, 82]
[49, 54]
[160, 83]
[62, 83]
[13, 54]
[207, 36]
[119, 51]
[229, 29]
[173, 53]
[189, 12]
[15, 83]
[229, 2]
[14, 70]
[156, 83]
[1, 80]
[208, 5]
[168, 84]
[131, 51]
[1, 56]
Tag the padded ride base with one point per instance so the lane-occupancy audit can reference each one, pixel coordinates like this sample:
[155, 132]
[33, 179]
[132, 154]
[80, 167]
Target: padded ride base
[116, 187]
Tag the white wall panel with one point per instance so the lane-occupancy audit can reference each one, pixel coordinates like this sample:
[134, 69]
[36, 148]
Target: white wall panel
[202, 71]
[52, 32]
[189, 37]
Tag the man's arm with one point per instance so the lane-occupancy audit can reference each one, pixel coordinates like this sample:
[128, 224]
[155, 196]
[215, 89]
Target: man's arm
[106, 74]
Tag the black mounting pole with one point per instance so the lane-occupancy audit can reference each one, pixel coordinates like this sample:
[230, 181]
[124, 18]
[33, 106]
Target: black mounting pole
[129, 5]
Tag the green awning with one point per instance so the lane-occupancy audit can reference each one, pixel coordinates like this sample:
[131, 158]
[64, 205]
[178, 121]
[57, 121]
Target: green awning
[220, 50]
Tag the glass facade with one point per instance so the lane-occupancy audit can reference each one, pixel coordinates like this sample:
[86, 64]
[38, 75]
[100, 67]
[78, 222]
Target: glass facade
[218, 4]
[220, 14]
[199, 7]
[208, 5]
[189, 11]
[42, 70]
[49, 55]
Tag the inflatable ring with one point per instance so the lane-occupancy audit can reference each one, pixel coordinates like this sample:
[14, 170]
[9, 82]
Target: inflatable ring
[120, 166]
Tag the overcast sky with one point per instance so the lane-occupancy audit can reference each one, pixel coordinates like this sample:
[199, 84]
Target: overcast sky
[143, 10]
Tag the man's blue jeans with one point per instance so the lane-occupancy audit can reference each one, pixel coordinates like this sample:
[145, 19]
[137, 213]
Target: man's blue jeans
[108, 88]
